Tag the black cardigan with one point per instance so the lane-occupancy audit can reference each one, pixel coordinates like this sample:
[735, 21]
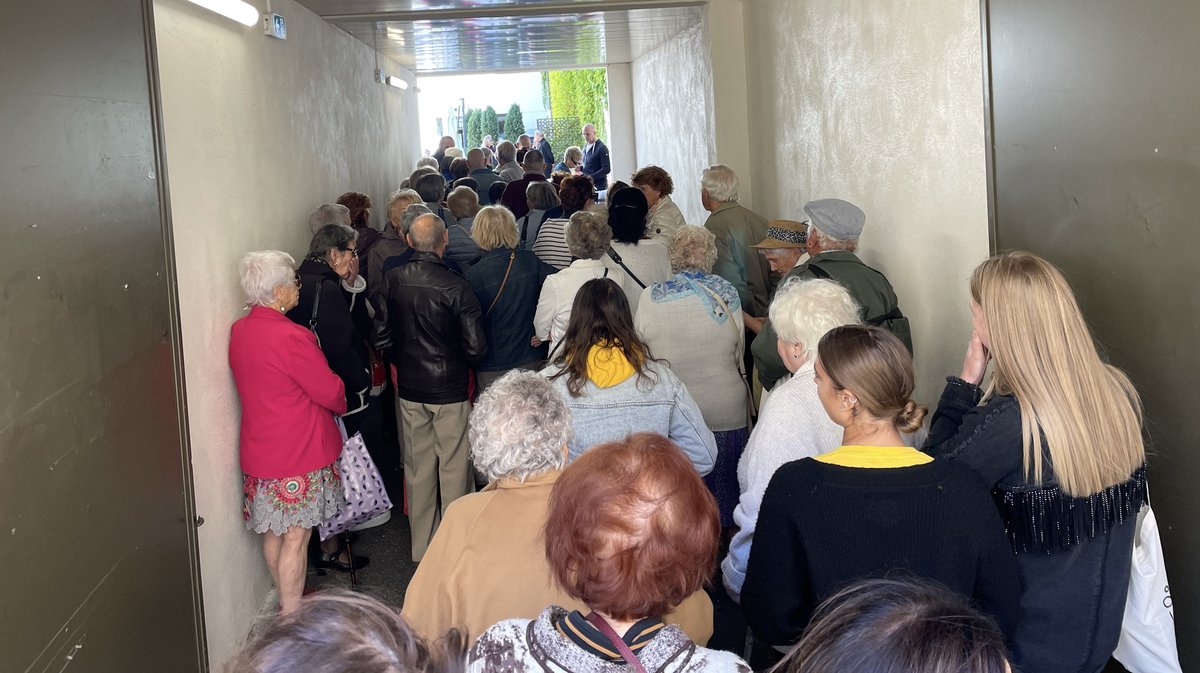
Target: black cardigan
[823, 526]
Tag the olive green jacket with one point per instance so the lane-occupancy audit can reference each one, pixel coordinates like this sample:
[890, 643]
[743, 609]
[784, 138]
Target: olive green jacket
[869, 288]
[736, 229]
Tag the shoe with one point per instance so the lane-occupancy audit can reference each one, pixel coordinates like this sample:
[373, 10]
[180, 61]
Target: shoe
[332, 562]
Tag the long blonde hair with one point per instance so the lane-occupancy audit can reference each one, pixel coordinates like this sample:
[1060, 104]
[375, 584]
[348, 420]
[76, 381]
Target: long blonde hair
[1044, 354]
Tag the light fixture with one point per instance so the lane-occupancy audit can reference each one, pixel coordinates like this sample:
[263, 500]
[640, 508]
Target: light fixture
[237, 10]
[384, 78]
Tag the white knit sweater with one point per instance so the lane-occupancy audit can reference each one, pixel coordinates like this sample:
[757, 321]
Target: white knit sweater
[791, 425]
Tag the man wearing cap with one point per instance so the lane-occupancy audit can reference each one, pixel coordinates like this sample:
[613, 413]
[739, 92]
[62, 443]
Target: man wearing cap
[736, 229]
[783, 248]
[833, 230]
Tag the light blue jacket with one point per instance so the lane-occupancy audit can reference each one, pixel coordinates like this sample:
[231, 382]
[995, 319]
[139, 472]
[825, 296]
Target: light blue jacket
[659, 402]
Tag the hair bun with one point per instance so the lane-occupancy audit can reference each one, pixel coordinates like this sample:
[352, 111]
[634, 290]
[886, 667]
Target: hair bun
[910, 418]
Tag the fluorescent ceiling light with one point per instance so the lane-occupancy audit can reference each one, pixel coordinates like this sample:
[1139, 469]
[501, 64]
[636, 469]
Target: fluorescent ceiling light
[237, 10]
[397, 82]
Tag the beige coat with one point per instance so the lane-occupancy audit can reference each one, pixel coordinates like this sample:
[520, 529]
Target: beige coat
[487, 563]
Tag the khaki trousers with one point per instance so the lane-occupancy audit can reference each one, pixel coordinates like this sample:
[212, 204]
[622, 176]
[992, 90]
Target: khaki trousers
[437, 464]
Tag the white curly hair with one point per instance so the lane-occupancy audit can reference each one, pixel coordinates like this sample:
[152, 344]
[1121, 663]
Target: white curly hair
[519, 427]
[804, 310]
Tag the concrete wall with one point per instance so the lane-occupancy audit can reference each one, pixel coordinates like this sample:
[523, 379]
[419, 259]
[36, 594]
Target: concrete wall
[258, 133]
[673, 119]
[880, 104]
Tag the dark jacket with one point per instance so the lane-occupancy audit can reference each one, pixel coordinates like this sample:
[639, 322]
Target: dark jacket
[344, 347]
[596, 164]
[1074, 553]
[484, 177]
[514, 194]
[547, 155]
[437, 334]
[869, 288]
[509, 324]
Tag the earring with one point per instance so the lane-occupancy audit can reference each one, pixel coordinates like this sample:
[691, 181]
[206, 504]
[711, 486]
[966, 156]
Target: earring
[795, 357]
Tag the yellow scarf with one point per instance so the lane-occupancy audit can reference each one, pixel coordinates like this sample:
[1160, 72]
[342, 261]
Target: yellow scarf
[607, 366]
[874, 456]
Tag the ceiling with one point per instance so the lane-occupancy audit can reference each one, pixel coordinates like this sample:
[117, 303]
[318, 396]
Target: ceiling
[443, 36]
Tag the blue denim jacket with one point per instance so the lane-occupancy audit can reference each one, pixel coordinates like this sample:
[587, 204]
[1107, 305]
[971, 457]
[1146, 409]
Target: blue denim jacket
[658, 402]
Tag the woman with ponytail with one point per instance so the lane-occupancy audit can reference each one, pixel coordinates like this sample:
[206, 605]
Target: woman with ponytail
[1057, 433]
[872, 507]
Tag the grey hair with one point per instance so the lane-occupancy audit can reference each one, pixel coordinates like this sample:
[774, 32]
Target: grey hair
[329, 213]
[827, 242]
[431, 187]
[519, 427]
[427, 239]
[261, 271]
[427, 161]
[720, 182]
[411, 213]
[331, 237]
[588, 235]
[541, 195]
[573, 153]
[506, 151]
[337, 631]
[805, 309]
[455, 152]
[692, 249]
[397, 196]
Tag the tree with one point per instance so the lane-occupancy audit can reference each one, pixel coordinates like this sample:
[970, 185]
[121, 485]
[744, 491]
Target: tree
[489, 125]
[514, 125]
[474, 128]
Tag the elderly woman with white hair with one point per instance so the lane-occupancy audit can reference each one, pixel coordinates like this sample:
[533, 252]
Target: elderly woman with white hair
[289, 440]
[693, 320]
[792, 424]
[588, 238]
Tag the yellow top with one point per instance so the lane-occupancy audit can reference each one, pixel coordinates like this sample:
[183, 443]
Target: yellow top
[607, 366]
[874, 456]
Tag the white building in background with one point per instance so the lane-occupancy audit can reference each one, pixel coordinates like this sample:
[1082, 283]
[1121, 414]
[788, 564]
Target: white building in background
[442, 98]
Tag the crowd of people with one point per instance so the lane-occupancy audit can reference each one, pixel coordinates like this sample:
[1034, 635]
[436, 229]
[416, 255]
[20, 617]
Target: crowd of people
[610, 417]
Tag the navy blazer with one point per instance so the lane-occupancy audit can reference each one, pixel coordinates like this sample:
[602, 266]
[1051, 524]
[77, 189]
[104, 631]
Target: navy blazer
[596, 164]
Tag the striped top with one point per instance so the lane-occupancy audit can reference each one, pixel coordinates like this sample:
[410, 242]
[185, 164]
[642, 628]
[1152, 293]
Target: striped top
[551, 244]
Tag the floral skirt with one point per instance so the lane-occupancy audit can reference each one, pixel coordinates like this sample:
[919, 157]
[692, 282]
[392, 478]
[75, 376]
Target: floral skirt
[278, 504]
[722, 481]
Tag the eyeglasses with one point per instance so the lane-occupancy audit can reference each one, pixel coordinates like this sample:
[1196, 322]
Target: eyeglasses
[297, 280]
[353, 251]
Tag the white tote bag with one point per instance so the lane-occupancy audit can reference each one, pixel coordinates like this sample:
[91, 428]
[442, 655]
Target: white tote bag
[1147, 642]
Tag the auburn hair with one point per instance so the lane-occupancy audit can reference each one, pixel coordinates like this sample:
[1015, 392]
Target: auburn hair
[359, 205]
[1077, 412]
[632, 530]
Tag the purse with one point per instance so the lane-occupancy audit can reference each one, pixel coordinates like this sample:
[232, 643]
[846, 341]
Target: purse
[1147, 643]
[617, 642]
[364, 496]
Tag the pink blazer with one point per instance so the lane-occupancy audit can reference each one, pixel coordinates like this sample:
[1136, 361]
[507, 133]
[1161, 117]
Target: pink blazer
[289, 396]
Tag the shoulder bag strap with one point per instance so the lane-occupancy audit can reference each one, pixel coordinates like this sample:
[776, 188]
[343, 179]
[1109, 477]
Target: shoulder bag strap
[511, 257]
[312, 320]
[617, 258]
[818, 271]
[737, 355]
[618, 642]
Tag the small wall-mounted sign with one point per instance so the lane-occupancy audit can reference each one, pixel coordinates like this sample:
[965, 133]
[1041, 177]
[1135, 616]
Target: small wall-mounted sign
[275, 26]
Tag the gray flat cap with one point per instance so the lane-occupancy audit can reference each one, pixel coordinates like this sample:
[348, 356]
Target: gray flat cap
[836, 218]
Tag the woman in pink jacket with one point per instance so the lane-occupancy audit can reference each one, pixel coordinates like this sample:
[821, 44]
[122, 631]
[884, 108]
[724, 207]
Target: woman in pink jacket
[289, 442]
